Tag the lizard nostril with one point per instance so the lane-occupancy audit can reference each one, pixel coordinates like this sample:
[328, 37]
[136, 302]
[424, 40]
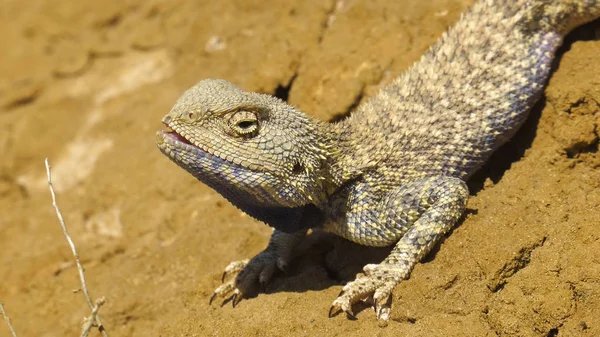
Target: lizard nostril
[166, 119]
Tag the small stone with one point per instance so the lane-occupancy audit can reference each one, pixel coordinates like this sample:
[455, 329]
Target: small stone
[215, 43]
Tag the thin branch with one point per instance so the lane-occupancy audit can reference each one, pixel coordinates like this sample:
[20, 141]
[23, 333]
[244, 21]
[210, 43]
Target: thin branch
[7, 320]
[89, 323]
[84, 288]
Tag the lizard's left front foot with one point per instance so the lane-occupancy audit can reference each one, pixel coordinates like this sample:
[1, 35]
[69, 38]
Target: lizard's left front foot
[377, 281]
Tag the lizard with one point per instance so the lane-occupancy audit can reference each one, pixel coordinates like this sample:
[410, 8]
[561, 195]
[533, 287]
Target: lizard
[391, 174]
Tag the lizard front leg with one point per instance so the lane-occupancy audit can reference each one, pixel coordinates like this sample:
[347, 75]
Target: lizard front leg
[260, 269]
[419, 213]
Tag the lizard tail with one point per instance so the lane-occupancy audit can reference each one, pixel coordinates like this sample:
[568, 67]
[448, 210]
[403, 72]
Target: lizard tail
[565, 15]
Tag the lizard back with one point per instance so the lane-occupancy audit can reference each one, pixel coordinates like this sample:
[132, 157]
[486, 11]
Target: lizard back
[467, 95]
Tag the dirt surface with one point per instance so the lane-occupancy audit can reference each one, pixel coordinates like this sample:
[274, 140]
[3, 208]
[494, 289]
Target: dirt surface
[86, 84]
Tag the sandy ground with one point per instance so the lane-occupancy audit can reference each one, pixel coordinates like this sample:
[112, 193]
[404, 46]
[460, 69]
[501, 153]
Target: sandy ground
[86, 83]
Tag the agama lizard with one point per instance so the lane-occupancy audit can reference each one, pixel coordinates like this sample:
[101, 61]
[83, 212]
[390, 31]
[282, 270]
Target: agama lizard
[394, 172]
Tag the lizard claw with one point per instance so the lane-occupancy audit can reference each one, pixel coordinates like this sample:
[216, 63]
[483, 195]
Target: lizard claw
[244, 275]
[228, 291]
[335, 308]
[225, 291]
[233, 298]
[331, 311]
[377, 283]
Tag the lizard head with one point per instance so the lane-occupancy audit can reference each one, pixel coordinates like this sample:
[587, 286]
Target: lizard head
[254, 149]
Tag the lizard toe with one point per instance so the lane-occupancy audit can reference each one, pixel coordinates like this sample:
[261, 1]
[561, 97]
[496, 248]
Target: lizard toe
[341, 304]
[244, 275]
[234, 268]
[377, 283]
[227, 291]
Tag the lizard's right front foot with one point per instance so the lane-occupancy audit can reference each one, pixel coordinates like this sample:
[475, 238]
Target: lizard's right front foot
[245, 275]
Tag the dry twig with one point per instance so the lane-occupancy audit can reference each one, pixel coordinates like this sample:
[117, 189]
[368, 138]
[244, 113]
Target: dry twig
[7, 320]
[95, 318]
[89, 322]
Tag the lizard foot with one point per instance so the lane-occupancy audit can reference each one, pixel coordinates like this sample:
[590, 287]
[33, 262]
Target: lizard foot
[244, 276]
[377, 283]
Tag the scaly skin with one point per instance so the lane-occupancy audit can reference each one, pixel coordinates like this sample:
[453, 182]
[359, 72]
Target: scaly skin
[392, 173]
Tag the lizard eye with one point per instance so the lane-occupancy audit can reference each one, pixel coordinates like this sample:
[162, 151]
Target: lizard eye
[244, 123]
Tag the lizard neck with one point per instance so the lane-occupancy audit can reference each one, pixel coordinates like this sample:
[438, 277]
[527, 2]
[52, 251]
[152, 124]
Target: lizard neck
[339, 166]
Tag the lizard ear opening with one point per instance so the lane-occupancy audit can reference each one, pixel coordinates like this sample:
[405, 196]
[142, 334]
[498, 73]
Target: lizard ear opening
[298, 169]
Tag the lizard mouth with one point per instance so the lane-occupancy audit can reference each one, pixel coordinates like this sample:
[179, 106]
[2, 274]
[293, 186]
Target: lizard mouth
[173, 135]
[171, 138]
